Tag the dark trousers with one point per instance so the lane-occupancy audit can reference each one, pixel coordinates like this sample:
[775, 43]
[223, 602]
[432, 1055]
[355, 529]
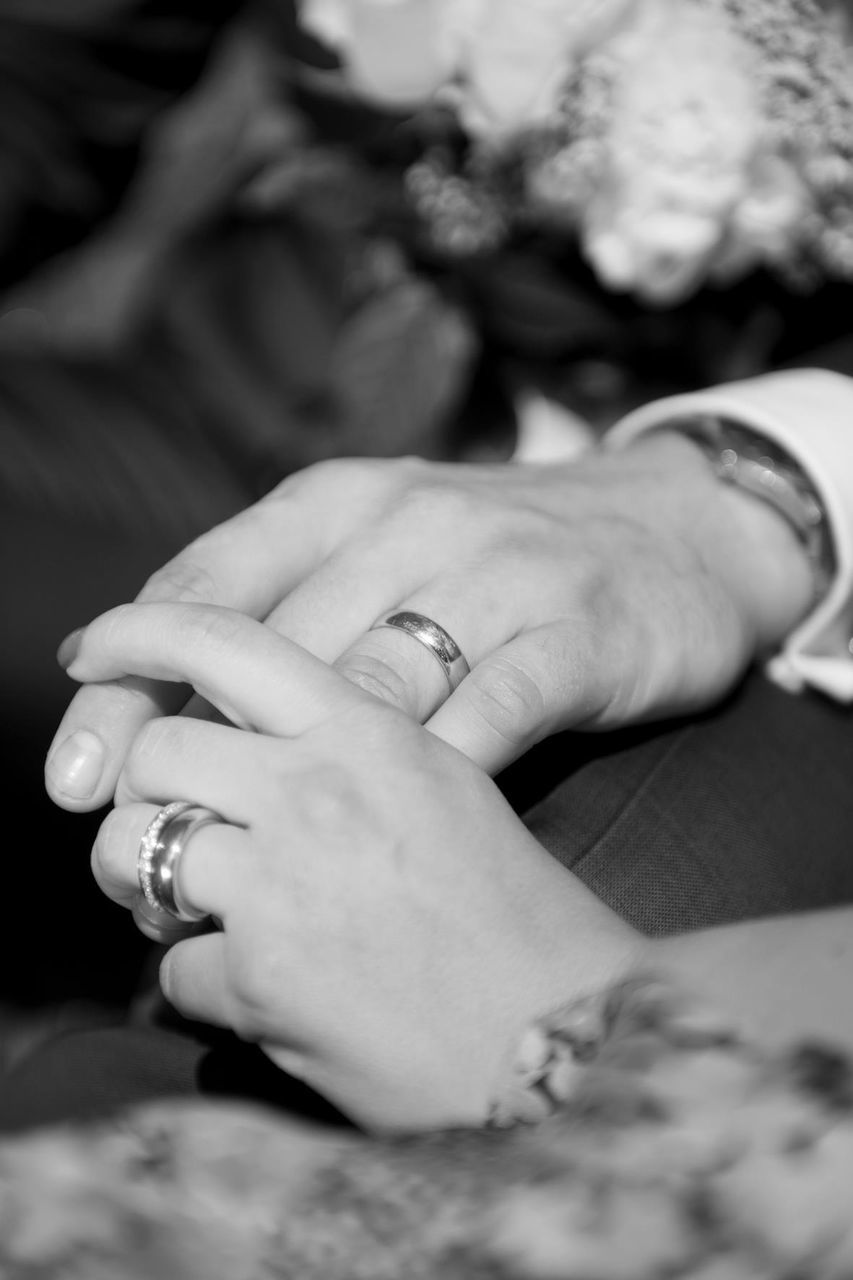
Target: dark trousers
[743, 812]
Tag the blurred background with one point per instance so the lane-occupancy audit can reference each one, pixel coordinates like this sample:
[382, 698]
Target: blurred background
[217, 265]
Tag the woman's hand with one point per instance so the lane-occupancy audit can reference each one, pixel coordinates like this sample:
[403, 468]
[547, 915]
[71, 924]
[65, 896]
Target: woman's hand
[388, 925]
[586, 594]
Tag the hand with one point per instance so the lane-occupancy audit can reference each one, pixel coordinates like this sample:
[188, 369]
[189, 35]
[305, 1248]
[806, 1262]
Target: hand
[388, 925]
[584, 594]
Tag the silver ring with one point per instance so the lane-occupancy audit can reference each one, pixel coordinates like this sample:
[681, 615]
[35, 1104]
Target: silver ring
[441, 645]
[160, 849]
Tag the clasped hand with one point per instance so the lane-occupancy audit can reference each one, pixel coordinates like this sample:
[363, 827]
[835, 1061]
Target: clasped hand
[388, 926]
[585, 594]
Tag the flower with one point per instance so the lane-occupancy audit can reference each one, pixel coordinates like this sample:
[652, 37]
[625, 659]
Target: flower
[502, 63]
[788, 91]
[521, 56]
[397, 52]
[685, 126]
[701, 140]
[677, 141]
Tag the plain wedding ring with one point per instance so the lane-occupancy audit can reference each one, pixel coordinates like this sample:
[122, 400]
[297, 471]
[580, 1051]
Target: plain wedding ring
[440, 644]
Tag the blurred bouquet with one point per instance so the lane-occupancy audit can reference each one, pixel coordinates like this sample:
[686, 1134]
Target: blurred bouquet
[680, 141]
[391, 226]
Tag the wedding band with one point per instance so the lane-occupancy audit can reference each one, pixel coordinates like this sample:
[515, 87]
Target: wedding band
[165, 839]
[441, 645]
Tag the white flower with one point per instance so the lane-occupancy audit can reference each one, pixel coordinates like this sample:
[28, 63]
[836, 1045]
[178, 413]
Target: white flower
[769, 220]
[520, 55]
[503, 60]
[702, 140]
[396, 51]
[686, 126]
[677, 140]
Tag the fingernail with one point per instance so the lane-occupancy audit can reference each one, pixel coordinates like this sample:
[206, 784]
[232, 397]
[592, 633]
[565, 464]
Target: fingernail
[76, 765]
[70, 647]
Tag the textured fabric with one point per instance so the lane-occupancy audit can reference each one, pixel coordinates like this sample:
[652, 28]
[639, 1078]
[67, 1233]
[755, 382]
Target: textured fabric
[680, 1151]
[87, 1074]
[742, 813]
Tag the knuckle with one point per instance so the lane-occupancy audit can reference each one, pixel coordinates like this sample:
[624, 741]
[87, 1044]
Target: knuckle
[349, 493]
[429, 499]
[328, 471]
[186, 579]
[302, 484]
[385, 482]
[212, 628]
[327, 802]
[410, 473]
[155, 738]
[530, 537]
[380, 678]
[254, 981]
[349, 476]
[508, 699]
[117, 835]
[469, 517]
[175, 983]
[169, 977]
[109, 627]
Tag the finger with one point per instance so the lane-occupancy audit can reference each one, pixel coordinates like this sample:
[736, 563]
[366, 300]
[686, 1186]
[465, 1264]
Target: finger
[91, 762]
[212, 764]
[212, 861]
[193, 979]
[545, 680]
[475, 615]
[247, 563]
[407, 665]
[339, 614]
[362, 580]
[332, 613]
[90, 744]
[389, 566]
[274, 537]
[196, 981]
[254, 676]
[251, 561]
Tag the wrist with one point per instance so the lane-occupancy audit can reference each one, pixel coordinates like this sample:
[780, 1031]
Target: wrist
[740, 538]
[566, 944]
[561, 1020]
[805, 413]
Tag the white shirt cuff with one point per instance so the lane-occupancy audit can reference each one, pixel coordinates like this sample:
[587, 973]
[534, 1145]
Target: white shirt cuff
[810, 413]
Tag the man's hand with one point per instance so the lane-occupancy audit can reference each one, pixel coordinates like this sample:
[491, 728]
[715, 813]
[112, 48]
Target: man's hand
[587, 594]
